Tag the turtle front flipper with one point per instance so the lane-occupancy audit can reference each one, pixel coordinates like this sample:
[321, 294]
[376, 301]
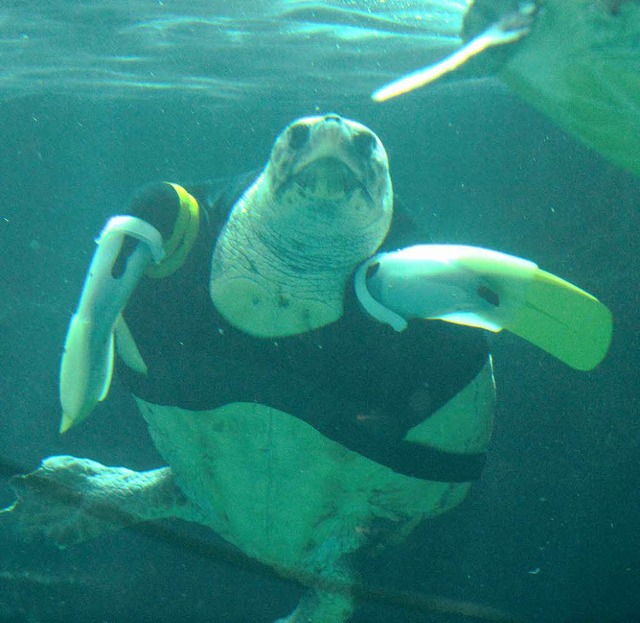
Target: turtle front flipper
[68, 500]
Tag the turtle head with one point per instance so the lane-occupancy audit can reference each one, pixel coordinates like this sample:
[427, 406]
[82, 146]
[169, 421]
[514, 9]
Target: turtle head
[329, 188]
[321, 207]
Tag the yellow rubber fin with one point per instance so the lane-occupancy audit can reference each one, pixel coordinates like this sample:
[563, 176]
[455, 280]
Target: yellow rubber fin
[564, 320]
[547, 311]
[490, 290]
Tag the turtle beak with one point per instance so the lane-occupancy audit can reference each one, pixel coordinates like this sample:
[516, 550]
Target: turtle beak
[328, 177]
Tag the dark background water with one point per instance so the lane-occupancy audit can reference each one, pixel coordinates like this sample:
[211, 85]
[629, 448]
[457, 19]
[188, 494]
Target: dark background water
[550, 533]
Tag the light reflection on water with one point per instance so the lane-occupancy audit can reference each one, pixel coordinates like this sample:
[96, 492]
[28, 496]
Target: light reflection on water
[229, 50]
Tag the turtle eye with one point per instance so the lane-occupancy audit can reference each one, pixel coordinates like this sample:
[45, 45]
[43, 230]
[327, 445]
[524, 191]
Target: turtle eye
[364, 143]
[298, 136]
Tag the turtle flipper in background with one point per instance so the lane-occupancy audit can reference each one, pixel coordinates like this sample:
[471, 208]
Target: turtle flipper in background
[576, 61]
[68, 500]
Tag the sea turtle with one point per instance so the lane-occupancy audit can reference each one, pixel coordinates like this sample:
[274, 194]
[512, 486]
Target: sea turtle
[577, 61]
[306, 414]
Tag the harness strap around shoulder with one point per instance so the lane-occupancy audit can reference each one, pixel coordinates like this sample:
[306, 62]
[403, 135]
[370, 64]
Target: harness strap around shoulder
[183, 236]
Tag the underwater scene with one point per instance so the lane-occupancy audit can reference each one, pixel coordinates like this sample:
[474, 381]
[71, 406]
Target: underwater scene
[316, 312]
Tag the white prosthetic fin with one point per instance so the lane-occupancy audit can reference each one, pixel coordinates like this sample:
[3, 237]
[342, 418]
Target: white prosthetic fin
[127, 348]
[489, 290]
[87, 361]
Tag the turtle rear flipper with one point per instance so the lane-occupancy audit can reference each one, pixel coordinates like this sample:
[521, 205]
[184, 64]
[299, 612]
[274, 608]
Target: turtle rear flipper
[68, 500]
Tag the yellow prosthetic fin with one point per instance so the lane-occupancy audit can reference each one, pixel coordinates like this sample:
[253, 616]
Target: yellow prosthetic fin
[489, 290]
[565, 321]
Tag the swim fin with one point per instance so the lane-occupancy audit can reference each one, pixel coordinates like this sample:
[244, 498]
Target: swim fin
[87, 361]
[489, 290]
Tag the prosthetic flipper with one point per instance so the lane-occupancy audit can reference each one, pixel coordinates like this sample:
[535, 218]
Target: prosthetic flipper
[489, 290]
[87, 361]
